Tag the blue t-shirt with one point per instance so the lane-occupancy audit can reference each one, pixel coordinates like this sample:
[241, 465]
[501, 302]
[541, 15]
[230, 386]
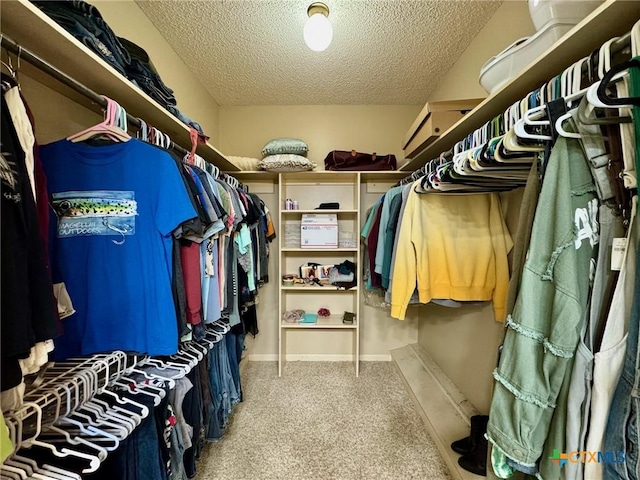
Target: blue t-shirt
[113, 210]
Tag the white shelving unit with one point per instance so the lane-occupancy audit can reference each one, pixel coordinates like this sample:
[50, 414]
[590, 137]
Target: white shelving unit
[310, 189]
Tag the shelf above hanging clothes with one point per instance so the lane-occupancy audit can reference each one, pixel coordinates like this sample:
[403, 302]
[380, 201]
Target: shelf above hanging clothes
[613, 17]
[32, 29]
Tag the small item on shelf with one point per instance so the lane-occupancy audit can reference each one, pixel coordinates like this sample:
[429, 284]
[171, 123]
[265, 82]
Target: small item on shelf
[346, 240]
[292, 234]
[348, 318]
[356, 161]
[328, 206]
[343, 275]
[294, 206]
[286, 163]
[288, 280]
[293, 316]
[309, 318]
[285, 145]
[324, 312]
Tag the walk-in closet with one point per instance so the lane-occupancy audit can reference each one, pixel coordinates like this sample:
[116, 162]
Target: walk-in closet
[337, 240]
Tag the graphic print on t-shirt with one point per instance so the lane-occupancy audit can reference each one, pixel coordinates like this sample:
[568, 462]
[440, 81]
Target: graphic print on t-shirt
[100, 212]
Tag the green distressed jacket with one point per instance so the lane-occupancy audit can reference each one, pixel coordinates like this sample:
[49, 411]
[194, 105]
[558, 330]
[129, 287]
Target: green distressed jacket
[529, 400]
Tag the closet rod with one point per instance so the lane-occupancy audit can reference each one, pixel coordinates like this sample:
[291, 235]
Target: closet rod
[38, 62]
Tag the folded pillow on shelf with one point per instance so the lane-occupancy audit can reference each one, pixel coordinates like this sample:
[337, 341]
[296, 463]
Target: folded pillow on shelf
[285, 145]
[286, 163]
[246, 164]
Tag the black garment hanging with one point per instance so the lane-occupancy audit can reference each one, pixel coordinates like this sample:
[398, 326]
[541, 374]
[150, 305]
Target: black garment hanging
[29, 313]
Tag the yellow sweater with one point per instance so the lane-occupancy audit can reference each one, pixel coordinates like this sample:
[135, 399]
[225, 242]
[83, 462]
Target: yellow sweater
[451, 246]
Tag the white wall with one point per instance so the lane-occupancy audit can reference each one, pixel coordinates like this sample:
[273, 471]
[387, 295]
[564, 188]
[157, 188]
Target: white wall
[365, 128]
[510, 22]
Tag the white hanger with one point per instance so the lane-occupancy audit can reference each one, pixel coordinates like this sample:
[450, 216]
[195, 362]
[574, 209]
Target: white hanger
[94, 461]
[144, 410]
[604, 57]
[64, 473]
[11, 469]
[156, 393]
[154, 376]
[167, 365]
[76, 440]
[95, 433]
[592, 94]
[111, 415]
[26, 468]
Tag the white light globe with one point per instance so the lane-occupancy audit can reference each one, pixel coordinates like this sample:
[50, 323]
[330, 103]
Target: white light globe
[318, 32]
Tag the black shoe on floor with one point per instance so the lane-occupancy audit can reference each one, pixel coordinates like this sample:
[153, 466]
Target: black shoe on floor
[476, 461]
[467, 445]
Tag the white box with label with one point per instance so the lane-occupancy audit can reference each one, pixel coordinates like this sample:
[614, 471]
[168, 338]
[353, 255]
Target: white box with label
[319, 230]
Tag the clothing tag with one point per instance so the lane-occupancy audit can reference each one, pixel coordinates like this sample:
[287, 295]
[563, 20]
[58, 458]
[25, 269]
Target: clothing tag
[617, 253]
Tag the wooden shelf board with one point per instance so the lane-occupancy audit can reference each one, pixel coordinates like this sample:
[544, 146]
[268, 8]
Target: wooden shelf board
[331, 322]
[385, 176]
[325, 289]
[295, 212]
[612, 18]
[31, 28]
[320, 176]
[318, 250]
[251, 176]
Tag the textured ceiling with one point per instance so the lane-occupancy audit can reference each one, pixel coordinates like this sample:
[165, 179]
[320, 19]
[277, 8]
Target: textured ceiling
[251, 52]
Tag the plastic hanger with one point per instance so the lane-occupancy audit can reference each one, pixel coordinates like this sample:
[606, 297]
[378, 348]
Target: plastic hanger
[107, 127]
[111, 415]
[154, 376]
[75, 440]
[133, 388]
[185, 356]
[143, 131]
[112, 409]
[97, 434]
[180, 369]
[94, 461]
[67, 474]
[144, 410]
[193, 347]
[123, 430]
[510, 142]
[604, 57]
[28, 468]
[156, 393]
[28, 464]
[50, 473]
[19, 473]
[612, 75]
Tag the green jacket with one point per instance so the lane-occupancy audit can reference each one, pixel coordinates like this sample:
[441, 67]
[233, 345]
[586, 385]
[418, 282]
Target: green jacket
[543, 331]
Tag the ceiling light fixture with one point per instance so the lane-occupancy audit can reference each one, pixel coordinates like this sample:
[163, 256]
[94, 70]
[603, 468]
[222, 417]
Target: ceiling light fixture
[318, 31]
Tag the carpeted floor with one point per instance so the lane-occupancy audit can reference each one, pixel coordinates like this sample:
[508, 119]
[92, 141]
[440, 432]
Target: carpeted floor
[320, 422]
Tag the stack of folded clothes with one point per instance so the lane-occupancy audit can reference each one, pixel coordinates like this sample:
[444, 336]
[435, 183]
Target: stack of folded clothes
[86, 24]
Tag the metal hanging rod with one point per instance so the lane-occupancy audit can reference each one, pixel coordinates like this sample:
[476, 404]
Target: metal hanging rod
[41, 64]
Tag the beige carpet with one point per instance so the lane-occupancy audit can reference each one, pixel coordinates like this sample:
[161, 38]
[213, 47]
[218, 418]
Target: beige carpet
[320, 422]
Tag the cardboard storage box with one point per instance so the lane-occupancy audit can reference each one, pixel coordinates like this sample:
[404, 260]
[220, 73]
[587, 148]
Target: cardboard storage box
[434, 119]
[319, 230]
